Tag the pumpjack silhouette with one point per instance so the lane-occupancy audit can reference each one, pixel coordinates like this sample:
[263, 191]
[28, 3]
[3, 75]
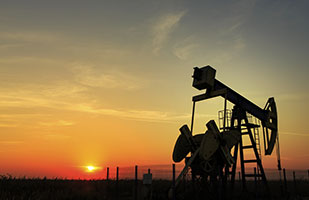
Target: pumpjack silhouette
[213, 154]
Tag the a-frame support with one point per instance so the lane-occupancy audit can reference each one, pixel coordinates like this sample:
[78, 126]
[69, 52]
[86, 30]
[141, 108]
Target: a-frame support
[240, 122]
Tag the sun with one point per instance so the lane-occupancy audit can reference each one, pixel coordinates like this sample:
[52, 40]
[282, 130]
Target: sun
[90, 168]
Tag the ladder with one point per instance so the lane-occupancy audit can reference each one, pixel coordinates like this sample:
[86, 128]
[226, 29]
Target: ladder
[239, 120]
[256, 134]
[227, 120]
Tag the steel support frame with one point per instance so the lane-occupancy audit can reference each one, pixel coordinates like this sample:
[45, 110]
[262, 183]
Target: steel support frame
[238, 115]
[241, 106]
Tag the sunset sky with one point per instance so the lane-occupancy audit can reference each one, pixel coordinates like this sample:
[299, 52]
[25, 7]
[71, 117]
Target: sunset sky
[108, 83]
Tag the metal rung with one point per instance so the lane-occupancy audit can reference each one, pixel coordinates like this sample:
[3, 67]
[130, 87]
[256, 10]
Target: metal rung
[253, 175]
[249, 161]
[250, 125]
[247, 147]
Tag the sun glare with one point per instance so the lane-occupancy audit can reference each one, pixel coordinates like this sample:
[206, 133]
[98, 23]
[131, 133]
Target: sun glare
[90, 168]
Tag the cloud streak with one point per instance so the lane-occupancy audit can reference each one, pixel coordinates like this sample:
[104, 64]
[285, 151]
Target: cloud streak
[57, 123]
[185, 48]
[56, 137]
[88, 76]
[163, 28]
[26, 36]
[28, 100]
[293, 133]
[3, 125]
[11, 142]
[139, 115]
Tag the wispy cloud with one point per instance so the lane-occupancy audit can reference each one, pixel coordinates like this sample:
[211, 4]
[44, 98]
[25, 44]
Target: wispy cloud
[238, 14]
[56, 137]
[29, 100]
[293, 133]
[163, 28]
[88, 76]
[11, 142]
[232, 39]
[185, 48]
[72, 96]
[5, 125]
[9, 46]
[140, 115]
[292, 96]
[27, 59]
[57, 123]
[26, 36]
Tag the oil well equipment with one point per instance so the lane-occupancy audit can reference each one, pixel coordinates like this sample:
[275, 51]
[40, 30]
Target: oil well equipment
[212, 156]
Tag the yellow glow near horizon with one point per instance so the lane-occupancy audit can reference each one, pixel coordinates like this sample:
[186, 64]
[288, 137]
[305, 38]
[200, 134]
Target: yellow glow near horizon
[90, 168]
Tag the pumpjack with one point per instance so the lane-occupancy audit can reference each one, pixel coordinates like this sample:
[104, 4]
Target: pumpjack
[211, 158]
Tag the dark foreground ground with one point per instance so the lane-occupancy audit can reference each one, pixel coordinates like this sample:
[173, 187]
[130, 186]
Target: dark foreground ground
[16, 189]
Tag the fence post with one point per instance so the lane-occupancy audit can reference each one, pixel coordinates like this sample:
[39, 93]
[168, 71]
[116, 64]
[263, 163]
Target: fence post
[117, 174]
[107, 173]
[174, 182]
[117, 180]
[294, 180]
[285, 182]
[135, 183]
[255, 182]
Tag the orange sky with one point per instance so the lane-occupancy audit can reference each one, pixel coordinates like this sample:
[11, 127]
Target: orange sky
[109, 84]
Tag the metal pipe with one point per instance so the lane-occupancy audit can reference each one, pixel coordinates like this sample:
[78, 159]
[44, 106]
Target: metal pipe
[192, 119]
[224, 117]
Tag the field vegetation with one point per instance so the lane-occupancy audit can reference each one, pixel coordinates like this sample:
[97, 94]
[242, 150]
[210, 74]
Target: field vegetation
[37, 188]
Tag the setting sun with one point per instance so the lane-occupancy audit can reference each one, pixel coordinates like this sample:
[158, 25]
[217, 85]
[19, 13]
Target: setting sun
[90, 168]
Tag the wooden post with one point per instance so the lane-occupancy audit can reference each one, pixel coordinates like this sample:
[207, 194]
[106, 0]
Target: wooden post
[281, 185]
[294, 180]
[285, 182]
[107, 173]
[117, 174]
[135, 183]
[174, 181]
[255, 181]
[117, 184]
[108, 191]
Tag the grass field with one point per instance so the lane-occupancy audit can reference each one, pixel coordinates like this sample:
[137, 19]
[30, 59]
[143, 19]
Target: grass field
[12, 188]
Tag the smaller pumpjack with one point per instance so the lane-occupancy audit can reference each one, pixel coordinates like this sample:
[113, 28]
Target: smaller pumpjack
[210, 152]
